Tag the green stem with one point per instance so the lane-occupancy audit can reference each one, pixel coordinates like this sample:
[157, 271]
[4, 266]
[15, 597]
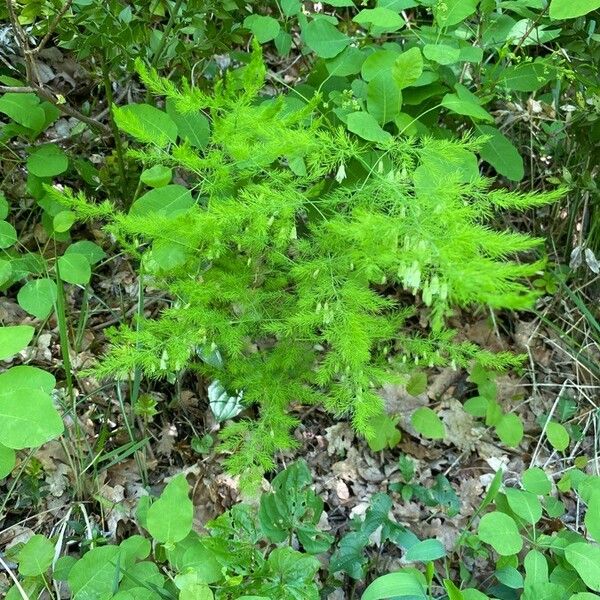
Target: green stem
[165, 36]
[64, 337]
[137, 377]
[113, 125]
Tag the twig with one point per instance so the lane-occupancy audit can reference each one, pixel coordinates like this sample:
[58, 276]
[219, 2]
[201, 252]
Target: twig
[52, 27]
[46, 94]
[35, 84]
[23, 89]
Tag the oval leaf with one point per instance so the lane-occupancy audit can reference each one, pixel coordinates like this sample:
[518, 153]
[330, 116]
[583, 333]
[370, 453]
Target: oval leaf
[28, 419]
[13, 339]
[501, 532]
[571, 9]
[37, 297]
[74, 268]
[47, 161]
[170, 517]
[324, 39]
[427, 423]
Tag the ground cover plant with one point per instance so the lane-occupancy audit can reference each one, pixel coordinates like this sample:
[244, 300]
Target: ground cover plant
[299, 299]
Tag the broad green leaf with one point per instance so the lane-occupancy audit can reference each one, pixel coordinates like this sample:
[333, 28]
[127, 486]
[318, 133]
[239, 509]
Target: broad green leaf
[135, 547]
[524, 504]
[427, 423]
[500, 531]
[501, 153]
[146, 123]
[425, 551]
[264, 28]
[167, 201]
[296, 570]
[465, 107]
[32, 586]
[47, 161]
[349, 556]
[324, 39]
[92, 252]
[558, 436]
[466, 103]
[24, 109]
[454, 592]
[395, 585]
[95, 575]
[347, 62]
[139, 574]
[37, 297]
[585, 559]
[510, 430]
[222, 405]
[170, 517]
[8, 459]
[417, 384]
[536, 567]
[536, 481]
[157, 176]
[13, 339]
[384, 98]
[193, 127]
[584, 596]
[283, 43]
[452, 12]
[291, 7]
[571, 9]
[510, 577]
[385, 433]
[196, 591]
[473, 594]
[24, 376]
[63, 221]
[592, 516]
[472, 54]
[526, 76]
[382, 19]
[5, 271]
[74, 268]
[366, 126]
[8, 235]
[476, 406]
[587, 485]
[441, 53]
[339, 3]
[398, 4]
[378, 64]
[190, 555]
[408, 67]
[28, 419]
[35, 557]
[554, 507]
[293, 507]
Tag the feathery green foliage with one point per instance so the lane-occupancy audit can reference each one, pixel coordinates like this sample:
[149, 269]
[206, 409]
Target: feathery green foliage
[302, 256]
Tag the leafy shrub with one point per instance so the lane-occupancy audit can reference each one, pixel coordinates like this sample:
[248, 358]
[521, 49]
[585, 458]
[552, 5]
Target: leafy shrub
[284, 262]
[248, 553]
[233, 560]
